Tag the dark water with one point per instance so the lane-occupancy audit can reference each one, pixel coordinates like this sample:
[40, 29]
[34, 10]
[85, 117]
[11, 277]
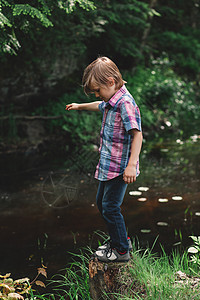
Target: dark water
[48, 210]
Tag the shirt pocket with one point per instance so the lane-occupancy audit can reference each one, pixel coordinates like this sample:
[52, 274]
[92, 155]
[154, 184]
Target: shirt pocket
[115, 128]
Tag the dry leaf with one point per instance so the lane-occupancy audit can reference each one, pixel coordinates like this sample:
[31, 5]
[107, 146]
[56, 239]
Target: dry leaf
[6, 288]
[42, 271]
[44, 266]
[21, 281]
[15, 296]
[40, 283]
[5, 276]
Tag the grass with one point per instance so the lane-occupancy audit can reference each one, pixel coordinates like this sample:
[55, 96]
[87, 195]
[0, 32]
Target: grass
[146, 276]
[74, 282]
[149, 276]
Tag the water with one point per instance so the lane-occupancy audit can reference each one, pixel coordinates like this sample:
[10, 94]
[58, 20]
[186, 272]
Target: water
[45, 214]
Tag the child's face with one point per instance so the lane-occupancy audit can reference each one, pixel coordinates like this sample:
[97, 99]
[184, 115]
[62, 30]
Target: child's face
[104, 92]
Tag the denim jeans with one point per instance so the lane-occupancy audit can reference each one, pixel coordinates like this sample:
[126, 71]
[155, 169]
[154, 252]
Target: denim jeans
[109, 198]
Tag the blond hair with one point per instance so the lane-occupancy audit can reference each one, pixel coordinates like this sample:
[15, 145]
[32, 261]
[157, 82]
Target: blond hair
[98, 72]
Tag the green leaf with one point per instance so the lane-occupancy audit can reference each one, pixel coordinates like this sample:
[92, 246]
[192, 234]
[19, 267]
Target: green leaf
[70, 5]
[26, 9]
[153, 12]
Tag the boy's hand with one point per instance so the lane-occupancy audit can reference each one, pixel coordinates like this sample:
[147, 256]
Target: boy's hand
[129, 175]
[72, 106]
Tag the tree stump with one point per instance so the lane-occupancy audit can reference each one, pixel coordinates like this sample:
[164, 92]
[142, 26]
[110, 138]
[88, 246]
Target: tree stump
[103, 277]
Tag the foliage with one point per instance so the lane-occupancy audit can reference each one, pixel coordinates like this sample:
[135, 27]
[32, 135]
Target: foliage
[81, 127]
[74, 284]
[119, 38]
[177, 32]
[59, 44]
[15, 289]
[195, 250]
[146, 276]
[159, 277]
[165, 100]
[130, 32]
[10, 289]
[20, 16]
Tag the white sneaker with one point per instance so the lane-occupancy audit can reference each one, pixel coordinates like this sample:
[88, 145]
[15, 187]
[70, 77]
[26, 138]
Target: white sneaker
[106, 245]
[112, 255]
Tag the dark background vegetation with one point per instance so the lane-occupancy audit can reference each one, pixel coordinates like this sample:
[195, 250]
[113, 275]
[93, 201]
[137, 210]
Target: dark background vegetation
[45, 46]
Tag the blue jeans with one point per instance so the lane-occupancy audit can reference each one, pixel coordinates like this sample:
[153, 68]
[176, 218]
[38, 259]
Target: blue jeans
[109, 198]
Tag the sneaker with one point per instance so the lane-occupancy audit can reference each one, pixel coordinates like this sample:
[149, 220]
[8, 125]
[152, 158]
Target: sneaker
[106, 245]
[112, 255]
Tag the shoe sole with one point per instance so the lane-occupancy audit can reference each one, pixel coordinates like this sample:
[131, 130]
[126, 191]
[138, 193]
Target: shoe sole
[113, 261]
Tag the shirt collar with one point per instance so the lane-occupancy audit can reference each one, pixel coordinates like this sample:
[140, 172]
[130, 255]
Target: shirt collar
[117, 96]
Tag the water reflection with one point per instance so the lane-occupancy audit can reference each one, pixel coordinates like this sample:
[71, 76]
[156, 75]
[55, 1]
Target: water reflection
[51, 213]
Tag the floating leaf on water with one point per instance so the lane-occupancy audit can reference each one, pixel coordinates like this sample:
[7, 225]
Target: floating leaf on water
[197, 213]
[162, 224]
[135, 193]
[177, 198]
[163, 200]
[145, 230]
[192, 250]
[177, 244]
[142, 199]
[143, 188]
[164, 150]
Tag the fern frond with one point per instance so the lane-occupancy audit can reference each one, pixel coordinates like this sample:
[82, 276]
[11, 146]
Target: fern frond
[5, 3]
[26, 9]
[45, 8]
[11, 44]
[70, 5]
[4, 21]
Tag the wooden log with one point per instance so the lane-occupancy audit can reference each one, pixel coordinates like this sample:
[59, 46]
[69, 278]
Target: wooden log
[103, 278]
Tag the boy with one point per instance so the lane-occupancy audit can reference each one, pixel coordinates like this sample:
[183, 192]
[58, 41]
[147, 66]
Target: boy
[120, 145]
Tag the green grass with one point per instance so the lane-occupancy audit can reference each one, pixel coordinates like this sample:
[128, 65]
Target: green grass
[74, 282]
[146, 276]
[157, 277]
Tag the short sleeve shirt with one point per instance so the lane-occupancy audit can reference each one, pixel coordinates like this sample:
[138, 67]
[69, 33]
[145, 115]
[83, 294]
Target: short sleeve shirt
[120, 114]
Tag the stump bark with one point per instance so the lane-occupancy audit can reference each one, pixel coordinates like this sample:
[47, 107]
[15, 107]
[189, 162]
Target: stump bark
[103, 278]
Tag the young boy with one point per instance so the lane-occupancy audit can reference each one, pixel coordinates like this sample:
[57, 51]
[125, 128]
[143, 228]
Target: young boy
[120, 145]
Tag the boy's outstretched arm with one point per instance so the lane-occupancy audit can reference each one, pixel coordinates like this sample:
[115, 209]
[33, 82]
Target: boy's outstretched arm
[129, 175]
[93, 106]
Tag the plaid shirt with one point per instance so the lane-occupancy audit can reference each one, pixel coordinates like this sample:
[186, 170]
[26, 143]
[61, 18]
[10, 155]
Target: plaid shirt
[120, 114]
